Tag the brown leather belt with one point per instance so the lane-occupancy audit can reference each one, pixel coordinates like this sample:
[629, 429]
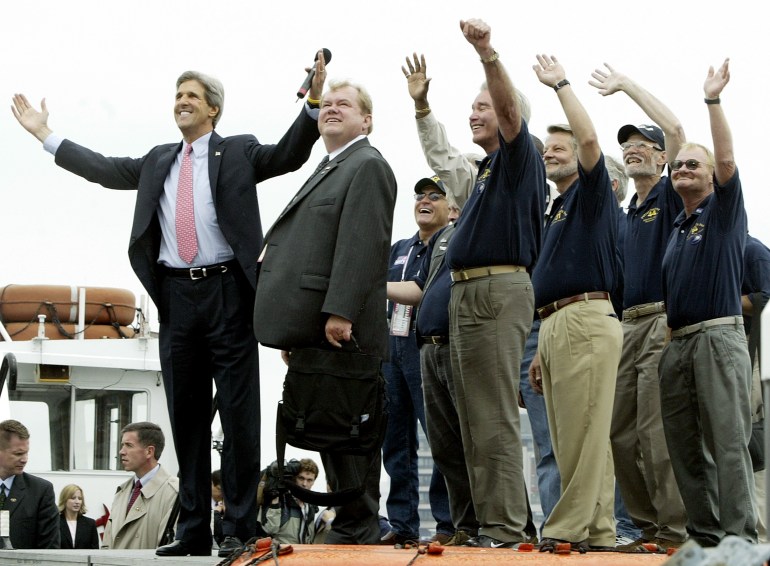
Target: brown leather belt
[736, 320]
[476, 272]
[548, 310]
[643, 310]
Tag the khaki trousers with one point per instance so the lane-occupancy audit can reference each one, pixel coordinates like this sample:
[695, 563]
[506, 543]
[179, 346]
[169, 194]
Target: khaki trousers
[579, 353]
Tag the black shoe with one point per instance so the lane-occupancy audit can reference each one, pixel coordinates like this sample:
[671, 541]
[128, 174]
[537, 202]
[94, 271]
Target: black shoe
[181, 548]
[229, 545]
[392, 538]
[484, 541]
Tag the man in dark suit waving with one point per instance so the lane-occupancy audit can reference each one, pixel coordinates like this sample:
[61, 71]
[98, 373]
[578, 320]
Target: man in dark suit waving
[29, 500]
[194, 245]
[324, 269]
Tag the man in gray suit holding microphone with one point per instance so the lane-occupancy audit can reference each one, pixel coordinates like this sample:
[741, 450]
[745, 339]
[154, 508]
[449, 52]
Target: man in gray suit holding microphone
[323, 272]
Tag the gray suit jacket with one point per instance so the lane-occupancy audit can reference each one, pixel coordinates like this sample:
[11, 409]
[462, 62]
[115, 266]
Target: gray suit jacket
[33, 513]
[327, 253]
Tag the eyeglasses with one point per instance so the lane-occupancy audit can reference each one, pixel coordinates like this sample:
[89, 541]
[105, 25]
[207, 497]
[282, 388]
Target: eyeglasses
[691, 164]
[432, 196]
[638, 144]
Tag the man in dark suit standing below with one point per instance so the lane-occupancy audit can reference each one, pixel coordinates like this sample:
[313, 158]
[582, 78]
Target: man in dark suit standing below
[34, 518]
[323, 274]
[194, 245]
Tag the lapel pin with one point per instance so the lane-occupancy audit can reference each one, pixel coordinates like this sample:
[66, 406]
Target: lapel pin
[217, 153]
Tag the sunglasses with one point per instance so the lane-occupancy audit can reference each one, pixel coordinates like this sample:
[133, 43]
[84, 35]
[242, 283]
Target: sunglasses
[433, 197]
[691, 164]
[638, 144]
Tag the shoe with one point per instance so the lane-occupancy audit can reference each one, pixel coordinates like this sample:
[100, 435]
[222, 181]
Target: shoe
[181, 548]
[631, 546]
[228, 546]
[622, 540]
[441, 538]
[399, 541]
[666, 544]
[484, 541]
[458, 539]
[558, 546]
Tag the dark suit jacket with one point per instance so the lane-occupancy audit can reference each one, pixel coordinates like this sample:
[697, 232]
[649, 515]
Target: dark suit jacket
[85, 533]
[328, 254]
[33, 513]
[236, 165]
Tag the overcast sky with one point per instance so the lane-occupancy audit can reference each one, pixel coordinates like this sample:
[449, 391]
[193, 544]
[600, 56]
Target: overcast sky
[108, 72]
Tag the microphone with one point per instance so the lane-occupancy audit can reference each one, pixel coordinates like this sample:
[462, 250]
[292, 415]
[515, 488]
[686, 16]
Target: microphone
[309, 78]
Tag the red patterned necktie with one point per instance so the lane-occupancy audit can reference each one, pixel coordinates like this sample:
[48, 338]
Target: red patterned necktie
[134, 495]
[186, 240]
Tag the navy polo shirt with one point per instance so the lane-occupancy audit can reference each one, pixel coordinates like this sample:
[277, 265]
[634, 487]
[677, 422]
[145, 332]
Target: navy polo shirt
[703, 265]
[648, 228]
[501, 223]
[756, 273]
[580, 243]
[433, 314]
[405, 259]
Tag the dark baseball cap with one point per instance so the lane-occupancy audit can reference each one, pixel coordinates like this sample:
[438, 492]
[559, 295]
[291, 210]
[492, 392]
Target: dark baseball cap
[651, 132]
[434, 181]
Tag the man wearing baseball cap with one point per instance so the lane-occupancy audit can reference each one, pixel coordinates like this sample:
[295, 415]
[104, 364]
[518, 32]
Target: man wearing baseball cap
[649, 491]
[404, 384]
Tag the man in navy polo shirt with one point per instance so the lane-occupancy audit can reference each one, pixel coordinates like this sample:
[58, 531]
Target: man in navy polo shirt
[580, 336]
[404, 385]
[496, 242]
[458, 171]
[705, 371]
[649, 490]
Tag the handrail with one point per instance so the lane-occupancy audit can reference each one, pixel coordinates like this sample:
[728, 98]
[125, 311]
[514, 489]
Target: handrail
[10, 370]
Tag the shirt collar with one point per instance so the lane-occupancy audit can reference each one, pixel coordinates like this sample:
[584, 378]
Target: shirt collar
[146, 478]
[339, 150]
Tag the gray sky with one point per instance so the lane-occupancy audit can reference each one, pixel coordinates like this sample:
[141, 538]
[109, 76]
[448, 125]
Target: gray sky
[108, 74]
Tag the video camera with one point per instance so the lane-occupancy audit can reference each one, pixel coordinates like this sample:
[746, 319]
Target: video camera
[272, 485]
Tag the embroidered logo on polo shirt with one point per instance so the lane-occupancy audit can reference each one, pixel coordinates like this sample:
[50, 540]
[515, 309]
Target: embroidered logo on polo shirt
[480, 184]
[400, 260]
[696, 233]
[650, 215]
[561, 215]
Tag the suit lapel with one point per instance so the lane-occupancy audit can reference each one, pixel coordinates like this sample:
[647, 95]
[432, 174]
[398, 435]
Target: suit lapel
[216, 149]
[313, 182]
[161, 171]
[16, 496]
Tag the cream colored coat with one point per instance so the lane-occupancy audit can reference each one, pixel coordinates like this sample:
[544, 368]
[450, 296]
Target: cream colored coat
[143, 525]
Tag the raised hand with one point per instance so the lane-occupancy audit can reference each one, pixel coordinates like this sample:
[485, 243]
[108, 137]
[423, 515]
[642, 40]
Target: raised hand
[317, 84]
[608, 82]
[416, 76]
[478, 33]
[32, 120]
[548, 70]
[717, 80]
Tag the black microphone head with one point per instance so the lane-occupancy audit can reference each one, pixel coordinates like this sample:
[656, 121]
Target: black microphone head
[327, 55]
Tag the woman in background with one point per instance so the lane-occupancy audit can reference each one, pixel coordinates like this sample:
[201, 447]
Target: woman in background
[77, 530]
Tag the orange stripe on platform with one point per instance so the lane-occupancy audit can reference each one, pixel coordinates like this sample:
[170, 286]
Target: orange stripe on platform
[318, 555]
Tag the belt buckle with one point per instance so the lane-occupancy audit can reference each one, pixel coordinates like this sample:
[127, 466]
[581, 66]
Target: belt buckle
[201, 273]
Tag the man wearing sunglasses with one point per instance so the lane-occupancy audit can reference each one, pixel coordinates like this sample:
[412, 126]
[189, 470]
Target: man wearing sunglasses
[649, 490]
[705, 371]
[404, 384]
